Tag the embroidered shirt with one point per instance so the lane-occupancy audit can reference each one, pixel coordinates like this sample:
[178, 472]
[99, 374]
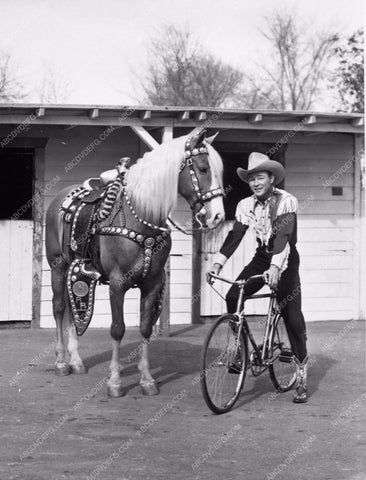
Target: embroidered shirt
[274, 222]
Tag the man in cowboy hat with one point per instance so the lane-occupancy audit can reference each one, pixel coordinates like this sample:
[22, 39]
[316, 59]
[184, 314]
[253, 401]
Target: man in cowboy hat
[272, 213]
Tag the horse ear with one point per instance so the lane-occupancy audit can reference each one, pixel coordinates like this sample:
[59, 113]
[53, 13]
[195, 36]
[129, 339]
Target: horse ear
[212, 138]
[197, 137]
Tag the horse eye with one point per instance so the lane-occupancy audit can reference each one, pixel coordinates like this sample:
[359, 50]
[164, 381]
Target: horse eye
[203, 169]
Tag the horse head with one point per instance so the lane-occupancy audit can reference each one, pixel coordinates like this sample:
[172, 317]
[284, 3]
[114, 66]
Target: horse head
[200, 180]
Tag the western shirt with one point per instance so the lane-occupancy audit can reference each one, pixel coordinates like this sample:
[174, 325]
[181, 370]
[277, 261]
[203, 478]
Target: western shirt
[274, 223]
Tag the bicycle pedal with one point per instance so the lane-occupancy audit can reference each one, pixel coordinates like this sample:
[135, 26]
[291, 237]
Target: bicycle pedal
[234, 368]
[286, 356]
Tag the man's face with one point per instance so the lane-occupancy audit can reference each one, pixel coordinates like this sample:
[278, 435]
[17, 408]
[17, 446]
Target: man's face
[261, 184]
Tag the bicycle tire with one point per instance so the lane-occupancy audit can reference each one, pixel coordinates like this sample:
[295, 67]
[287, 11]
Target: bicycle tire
[283, 369]
[223, 365]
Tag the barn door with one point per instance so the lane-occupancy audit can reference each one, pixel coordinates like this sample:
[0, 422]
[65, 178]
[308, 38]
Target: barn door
[16, 234]
[234, 155]
[211, 303]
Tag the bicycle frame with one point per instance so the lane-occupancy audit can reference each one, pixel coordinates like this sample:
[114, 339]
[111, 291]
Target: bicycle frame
[227, 354]
[264, 355]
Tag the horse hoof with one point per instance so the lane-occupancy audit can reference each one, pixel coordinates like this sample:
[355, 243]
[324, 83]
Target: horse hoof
[149, 389]
[79, 369]
[62, 369]
[115, 391]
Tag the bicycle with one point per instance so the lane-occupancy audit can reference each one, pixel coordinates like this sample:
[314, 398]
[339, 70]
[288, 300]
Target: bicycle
[226, 357]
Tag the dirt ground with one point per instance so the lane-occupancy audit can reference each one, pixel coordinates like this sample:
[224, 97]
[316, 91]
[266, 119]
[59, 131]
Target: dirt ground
[58, 428]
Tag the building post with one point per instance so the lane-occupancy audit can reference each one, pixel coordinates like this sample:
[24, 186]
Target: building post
[164, 321]
[38, 214]
[359, 310]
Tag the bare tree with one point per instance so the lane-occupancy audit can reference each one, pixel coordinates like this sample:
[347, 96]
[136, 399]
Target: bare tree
[348, 78]
[181, 72]
[54, 88]
[11, 88]
[293, 78]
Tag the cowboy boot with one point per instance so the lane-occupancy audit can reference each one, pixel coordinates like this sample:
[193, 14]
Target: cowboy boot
[300, 396]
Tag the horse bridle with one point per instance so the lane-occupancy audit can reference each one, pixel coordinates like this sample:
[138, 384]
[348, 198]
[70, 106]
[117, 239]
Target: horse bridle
[201, 197]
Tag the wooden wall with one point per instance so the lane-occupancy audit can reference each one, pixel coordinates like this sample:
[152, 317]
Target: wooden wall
[326, 224]
[181, 267]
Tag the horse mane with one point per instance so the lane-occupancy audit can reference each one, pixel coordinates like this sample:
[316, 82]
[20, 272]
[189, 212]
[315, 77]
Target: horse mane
[216, 164]
[152, 182]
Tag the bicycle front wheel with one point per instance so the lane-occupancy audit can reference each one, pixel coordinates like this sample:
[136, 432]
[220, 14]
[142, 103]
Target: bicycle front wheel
[224, 364]
[283, 368]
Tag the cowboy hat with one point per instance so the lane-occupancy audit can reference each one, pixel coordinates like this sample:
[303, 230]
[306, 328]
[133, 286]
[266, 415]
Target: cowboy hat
[258, 162]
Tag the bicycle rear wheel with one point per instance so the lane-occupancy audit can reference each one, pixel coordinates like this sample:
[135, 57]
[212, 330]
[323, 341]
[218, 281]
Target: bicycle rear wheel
[224, 364]
[283, 369]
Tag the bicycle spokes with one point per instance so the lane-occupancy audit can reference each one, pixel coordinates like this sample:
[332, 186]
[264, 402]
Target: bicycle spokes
[224, 364]
[283, 368]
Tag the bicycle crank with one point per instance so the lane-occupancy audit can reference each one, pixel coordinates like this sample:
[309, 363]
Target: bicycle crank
[256, 365]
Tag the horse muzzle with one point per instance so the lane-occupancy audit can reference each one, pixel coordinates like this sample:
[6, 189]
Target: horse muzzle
[208, 222]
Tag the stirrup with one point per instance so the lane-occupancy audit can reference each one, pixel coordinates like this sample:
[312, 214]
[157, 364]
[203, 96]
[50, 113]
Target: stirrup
[81, 289]
[89, 270]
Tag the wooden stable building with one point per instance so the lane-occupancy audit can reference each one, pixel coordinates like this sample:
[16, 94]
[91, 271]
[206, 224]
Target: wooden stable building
[45, 148]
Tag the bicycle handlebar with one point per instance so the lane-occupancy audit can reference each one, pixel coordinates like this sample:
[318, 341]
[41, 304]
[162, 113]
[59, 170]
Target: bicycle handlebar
[238, 282]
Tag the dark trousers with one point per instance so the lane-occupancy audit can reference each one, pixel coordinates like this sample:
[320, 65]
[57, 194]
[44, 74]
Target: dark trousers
[288, 296]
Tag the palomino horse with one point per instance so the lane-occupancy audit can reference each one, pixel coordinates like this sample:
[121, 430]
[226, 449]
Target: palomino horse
[187, 165]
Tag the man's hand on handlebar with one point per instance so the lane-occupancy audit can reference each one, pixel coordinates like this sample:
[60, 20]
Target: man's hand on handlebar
[272, 276]
[215, 270]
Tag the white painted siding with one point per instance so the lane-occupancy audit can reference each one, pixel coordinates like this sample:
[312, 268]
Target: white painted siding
[325, 227]
[16, 240]
[181, 267]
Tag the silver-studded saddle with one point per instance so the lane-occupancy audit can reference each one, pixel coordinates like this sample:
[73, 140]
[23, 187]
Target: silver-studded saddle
[88, 211]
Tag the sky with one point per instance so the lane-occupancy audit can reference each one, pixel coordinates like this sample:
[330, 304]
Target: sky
[97, 49]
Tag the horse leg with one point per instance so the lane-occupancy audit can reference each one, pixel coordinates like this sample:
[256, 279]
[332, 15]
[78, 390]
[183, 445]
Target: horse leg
[150, 311]
[76, 363]
[117, 296]
[58, 304]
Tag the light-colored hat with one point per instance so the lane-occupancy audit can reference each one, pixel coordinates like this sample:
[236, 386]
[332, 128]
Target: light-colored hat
[258, 162]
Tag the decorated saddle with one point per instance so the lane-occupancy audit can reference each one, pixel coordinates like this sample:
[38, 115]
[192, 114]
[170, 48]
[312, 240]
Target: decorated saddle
[83, 211]
[88, 210]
